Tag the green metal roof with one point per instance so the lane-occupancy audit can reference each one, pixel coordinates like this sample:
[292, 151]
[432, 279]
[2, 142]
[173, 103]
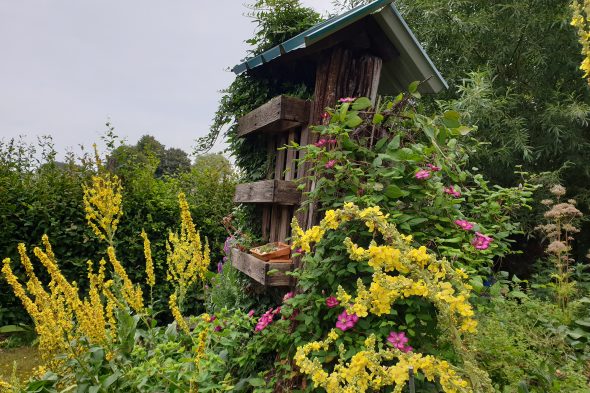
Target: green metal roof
[412, 64]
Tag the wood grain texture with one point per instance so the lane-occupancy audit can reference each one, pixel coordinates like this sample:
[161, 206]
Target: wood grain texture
[279, 114]
[258, 269]
[268, 191]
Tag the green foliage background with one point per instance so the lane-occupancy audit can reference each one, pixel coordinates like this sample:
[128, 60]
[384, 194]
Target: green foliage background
[41, 195]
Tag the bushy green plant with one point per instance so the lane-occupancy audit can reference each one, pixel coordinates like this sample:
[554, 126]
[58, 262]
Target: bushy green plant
[415, 167]
[522, 353]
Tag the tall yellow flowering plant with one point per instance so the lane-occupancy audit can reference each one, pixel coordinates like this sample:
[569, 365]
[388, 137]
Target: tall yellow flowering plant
[581, 11]
[188, 259]
[400, 271]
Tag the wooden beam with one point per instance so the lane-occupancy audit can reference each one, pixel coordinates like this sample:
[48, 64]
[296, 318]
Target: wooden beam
[280, 114]
[258, 269]
[279, 192]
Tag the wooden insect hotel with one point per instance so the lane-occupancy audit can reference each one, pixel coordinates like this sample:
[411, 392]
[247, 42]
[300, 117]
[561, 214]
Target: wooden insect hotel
[367, 51]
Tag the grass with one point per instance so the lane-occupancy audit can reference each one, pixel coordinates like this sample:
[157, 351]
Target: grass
[26, 358]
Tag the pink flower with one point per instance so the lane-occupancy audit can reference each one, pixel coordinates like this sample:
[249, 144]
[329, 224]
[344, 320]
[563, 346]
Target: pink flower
[332, 141]
[330, 164]
[345, 321]
[481, 241]
[332, 302]
[399, 341]
[217, 328]
[251, 313]
[346, 99]
[212, 318]
[299, 250]
[422, 174]
[451, 191]
[320, 143]
[288, 295]
[433, 168]
[265, 320]
[325, 115]
[464, 224]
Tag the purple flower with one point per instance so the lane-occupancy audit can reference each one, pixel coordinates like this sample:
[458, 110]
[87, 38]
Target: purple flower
[251, 313]
[320, 143]
[481, 241]
[345, 321]
[227, 245]
[399, 341]
[332, 302]
[219, 267]
[330, 164]
[451, 191]
[346, 99]
[464, 224]
[433, 168]
[217, 328]
[212, 318]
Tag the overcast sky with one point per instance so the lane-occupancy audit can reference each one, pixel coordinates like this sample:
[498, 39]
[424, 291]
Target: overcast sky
[67, 66]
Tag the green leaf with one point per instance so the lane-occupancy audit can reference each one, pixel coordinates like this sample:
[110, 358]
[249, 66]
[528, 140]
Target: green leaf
[354, 121]
[256, 382]
[11, 329]
[451, 119]
[361, 103]
[378, 118]
[395, 143]
[413, 86]
[393, 192]
[410, 318]
[379, 145]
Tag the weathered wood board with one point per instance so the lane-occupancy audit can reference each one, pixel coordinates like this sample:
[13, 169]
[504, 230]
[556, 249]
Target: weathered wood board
[268, 191]
[279, 114]
[258, 269]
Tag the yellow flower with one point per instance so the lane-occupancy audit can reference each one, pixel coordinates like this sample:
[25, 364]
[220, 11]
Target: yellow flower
[149, 263]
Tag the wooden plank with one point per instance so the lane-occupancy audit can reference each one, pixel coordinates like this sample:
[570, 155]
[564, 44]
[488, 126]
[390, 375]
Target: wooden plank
[268, 191]
[285, 220]
[266, 222]
[258, 269]
[275, 223]
[281, 155]
[279, 279]
[290, 159]
[249, 265]
[279, 114]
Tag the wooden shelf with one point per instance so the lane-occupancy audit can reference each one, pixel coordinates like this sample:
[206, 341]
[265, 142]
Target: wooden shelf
[279, 114]
[279, 192]
[258, 269]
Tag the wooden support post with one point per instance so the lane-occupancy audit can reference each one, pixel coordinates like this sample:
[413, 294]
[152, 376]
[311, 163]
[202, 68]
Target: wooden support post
[341, 72]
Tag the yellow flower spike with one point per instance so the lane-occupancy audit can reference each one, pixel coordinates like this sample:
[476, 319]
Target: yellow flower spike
[172, 303]
[149, 263]
[187, 258]
[102, 203]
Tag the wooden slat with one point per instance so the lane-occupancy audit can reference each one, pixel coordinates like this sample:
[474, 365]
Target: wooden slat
[275, 224]
[285, 220]
[279, 114]
[266, 222]
[258, 269]
[281, 155]
[268, 191]
[290, 159]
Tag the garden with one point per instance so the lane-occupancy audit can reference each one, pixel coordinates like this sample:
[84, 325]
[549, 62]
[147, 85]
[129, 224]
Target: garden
[409, 242]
